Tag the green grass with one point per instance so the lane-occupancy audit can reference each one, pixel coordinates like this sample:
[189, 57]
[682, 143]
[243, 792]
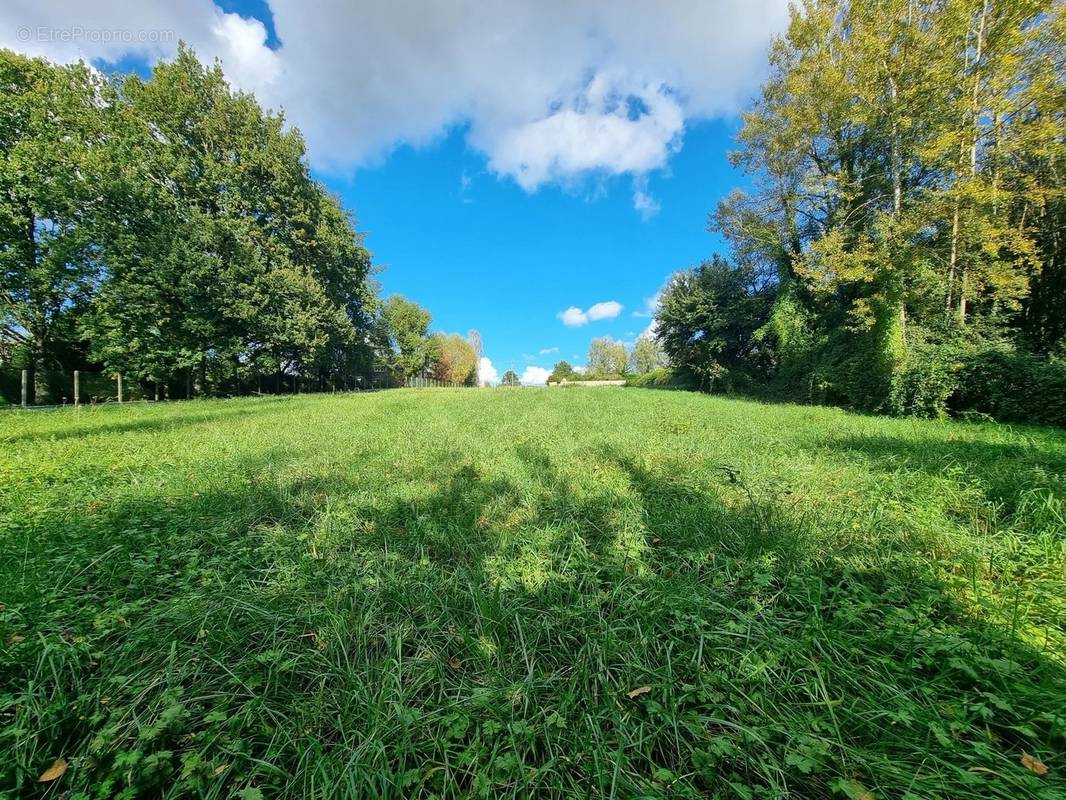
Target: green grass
[453, 592]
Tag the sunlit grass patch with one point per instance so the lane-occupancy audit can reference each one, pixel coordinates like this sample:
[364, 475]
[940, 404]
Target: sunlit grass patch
[446, 593]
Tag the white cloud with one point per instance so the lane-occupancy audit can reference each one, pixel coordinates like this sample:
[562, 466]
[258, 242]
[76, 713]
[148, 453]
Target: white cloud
[607, 310]
[464, 188]
[646, 205]
[598, 132]
[546, 91]
[110, 30]
[547, 351]
[574, 317]
[535, 376]
[486, 373]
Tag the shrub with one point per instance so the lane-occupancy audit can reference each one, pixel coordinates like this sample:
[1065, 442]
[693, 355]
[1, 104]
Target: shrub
[660, 378]
[980, 380]
[927, 380]
[1012, 386]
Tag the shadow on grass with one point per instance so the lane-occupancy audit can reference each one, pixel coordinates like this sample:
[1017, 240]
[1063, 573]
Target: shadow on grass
[482, 637]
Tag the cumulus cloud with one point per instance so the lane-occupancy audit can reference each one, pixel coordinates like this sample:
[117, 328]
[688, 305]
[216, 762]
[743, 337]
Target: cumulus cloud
[574, 317]
[486, 373]
[111, 30]
[535, 376]
[546, 91]
[607, 310]
[597, 132]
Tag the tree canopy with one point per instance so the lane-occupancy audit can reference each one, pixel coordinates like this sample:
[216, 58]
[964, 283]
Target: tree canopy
[606, 357]
[169, 228]
[906, 165]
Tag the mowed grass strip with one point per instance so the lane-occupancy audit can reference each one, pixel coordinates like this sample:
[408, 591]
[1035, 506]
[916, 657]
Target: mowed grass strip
[573, 592]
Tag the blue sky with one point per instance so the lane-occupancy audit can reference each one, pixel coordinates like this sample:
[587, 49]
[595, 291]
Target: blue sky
[507, 160]
[480, 252]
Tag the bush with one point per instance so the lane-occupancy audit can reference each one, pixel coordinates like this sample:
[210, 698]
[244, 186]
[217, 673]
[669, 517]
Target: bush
[927, 380]
[982, 380]
[1012, 386]
[661, 378]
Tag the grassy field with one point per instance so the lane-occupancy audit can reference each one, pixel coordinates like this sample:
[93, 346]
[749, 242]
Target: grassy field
[571, 592]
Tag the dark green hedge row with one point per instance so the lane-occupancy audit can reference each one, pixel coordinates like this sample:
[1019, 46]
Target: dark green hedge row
[1003, 383]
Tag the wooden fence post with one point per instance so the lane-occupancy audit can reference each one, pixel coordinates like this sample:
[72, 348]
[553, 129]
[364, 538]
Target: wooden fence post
[25, 386]
[118, 377]
[77, 391]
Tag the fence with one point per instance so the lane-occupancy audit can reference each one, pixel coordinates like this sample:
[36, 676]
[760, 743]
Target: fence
[53, 387]
[50, 388]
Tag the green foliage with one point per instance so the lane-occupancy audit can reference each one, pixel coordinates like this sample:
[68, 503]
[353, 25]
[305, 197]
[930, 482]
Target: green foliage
[454, 359]
[510, 378]
[658, 378]
[928, 380]
[447, 594]
[905, 164]
[982, 379]
[646, 355]
[708, 324]
[170, 227]
[403, 331]
[606, 357]
[1011, 385]
[51, 182]
[562, 371]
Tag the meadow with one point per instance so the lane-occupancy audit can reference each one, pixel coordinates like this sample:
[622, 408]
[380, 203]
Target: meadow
[511, 593]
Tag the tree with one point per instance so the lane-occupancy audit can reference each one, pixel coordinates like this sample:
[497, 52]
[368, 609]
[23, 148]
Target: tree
[709, 323]
[510, 378]
[52, 137]
[896, 196]
[562, 371]
[223, 256]
[404, 331]
[646, 354]
[455, 360]
[606, 357]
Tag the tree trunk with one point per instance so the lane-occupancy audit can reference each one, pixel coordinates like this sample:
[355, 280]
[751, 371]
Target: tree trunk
[200, 385]
[975, 122]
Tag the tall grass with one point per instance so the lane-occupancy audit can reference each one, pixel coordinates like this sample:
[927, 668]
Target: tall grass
[460, 593]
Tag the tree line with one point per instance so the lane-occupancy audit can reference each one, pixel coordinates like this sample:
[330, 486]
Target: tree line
[169, 229]
[608, 359]
[901, 248]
